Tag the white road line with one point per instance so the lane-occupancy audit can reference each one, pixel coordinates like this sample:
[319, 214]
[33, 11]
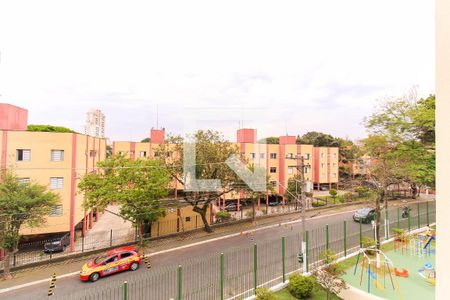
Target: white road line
[37, 282]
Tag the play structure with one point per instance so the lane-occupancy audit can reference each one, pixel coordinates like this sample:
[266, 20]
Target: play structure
[377, 265]
[428, 273]
[401, 243]
[420, 245]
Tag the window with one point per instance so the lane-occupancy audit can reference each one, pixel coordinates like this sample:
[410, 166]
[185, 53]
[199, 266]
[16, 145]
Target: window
[290, 170]
[273, 183]
[290, 156]
[56, 210]
[262, 155]
[307, 156]
[57, 155]
[252, 155]
[334, 164]
[56, 183]
[322, 155]
[143, 154]
[273, 156]
[92, 153]
[306, 170]
[323, 175]
[125, 255]
[23, 154]
[111, 259]
[188, 219]
[334, 155]
[334, 175]
[23, 180]
[273, 169]
[322, 165]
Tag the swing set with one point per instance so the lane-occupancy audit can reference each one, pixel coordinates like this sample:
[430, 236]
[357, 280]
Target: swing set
[376, 264]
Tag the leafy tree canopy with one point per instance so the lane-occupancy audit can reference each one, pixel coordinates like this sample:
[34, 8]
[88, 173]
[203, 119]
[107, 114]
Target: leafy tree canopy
[21, 204]
[48, 128]
[146, 140]
[137, 185]
[270, 140]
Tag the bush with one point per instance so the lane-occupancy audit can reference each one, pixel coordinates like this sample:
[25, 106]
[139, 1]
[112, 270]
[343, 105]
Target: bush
[318, 203]
[329, 257]
[264, 294]
[309, 195]
[362, 191]
[333, 193]
[368, 242]
[348, 196]
[223, 214]
[301, 287]
[249, 214]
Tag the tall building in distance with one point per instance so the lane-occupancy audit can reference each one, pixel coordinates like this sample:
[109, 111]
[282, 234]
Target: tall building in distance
[95, 123]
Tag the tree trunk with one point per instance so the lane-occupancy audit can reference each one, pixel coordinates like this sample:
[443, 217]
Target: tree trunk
[140, 233]
[202, 212]
[414, 190]
[380, 198]
[7, 265]
[253, 211]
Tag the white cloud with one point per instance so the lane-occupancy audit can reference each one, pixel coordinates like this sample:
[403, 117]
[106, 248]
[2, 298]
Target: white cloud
[302, 65]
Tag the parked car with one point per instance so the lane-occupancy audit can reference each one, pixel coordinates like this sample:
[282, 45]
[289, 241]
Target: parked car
[114, 261]
[232, 207]
[365, 215]
[323, 188]
[274, 203]
[57, 243]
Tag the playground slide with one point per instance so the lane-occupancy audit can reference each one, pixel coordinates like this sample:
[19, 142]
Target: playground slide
[428, 242]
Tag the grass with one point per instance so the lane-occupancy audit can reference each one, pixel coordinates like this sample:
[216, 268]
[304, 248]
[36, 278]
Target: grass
[320, 294]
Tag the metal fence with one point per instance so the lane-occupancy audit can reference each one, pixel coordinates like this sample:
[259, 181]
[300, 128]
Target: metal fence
[237, 272]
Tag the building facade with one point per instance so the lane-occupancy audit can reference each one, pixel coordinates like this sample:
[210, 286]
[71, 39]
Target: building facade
[95, 123]
[53, 159]
[280, 160]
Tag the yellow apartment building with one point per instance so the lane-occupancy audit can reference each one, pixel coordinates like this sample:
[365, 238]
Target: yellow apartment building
[280, 160]
[55, 159]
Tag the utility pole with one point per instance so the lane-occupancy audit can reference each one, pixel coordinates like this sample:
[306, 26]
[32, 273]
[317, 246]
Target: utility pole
[300, 166]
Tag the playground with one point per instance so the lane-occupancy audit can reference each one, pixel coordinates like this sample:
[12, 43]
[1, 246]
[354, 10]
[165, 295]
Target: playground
[406, 269]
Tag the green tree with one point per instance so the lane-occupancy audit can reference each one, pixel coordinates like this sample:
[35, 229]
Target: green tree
[408, 124]
[270, 140]
[21, 204]
[211, 152]
[293, 189]
[245, 188]
[333, 193]
[48, 128]
[318, 139]
[108, 151]
[385, 170]
[136, 185]
[146, 140]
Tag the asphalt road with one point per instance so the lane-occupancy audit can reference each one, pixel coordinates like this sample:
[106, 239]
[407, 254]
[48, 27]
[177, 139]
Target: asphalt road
[67, 286]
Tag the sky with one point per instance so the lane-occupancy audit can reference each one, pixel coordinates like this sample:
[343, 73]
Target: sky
[283, 67]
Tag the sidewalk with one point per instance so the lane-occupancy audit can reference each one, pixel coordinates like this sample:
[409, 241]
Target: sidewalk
[73, 265]
[100, 232]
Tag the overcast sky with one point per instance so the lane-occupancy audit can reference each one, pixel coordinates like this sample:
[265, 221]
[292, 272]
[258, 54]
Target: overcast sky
[277, 66]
